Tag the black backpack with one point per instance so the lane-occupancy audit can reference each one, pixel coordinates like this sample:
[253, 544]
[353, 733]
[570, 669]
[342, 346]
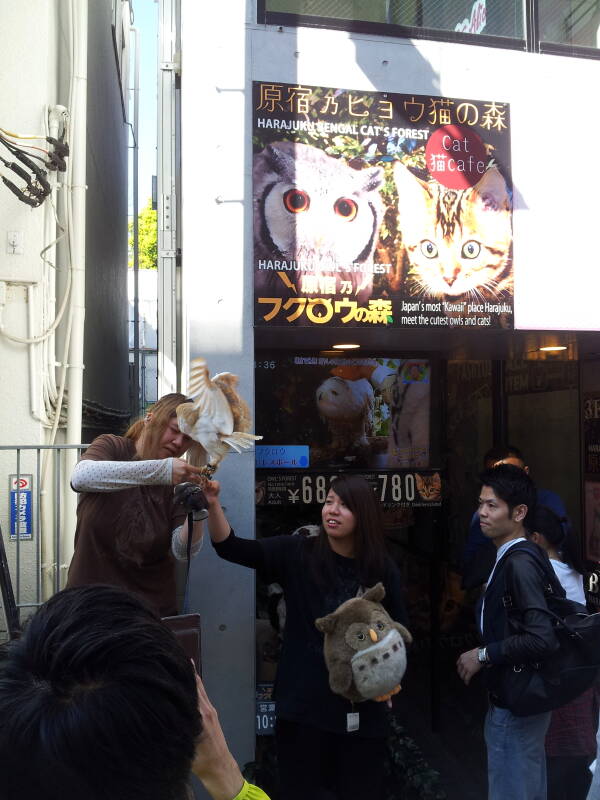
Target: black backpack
[533, 688]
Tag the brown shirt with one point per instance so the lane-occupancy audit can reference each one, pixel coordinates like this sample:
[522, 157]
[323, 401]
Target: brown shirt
[123, 538]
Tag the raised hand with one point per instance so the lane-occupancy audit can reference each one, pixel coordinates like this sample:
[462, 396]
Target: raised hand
[213, 763]
[184, 472]
[212, 490]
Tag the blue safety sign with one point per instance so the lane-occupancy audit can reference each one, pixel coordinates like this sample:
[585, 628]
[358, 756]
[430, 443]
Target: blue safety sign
[21, 516]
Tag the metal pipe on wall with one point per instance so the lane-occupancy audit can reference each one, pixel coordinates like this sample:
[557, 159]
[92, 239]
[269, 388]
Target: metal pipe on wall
[136, 410]
[77, 192]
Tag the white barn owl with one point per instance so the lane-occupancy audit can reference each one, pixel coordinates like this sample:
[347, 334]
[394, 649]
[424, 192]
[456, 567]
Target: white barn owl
[313, 210]
[218, 419]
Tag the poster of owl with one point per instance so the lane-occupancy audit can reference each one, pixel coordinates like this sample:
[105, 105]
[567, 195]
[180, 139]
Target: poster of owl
[318, 215]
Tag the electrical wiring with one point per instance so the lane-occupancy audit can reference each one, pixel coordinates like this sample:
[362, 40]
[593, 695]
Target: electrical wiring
[60, 313]
[55, 157]
[37, 187]
[21, 135]
[33, 147]
[67, 198]
[55, 121]
[15, 149]
[50, 390]
[51, 328]
[49, 331]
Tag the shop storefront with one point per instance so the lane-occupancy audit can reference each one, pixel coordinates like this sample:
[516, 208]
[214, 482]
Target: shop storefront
[431, 204]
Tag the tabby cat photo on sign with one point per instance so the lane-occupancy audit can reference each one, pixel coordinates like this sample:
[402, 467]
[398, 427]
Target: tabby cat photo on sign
[376, 209]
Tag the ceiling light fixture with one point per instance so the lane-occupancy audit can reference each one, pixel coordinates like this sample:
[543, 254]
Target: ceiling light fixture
[346, 346]
[553, 348]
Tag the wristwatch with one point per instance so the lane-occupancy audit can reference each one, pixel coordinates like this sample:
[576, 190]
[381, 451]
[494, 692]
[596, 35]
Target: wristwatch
[482, 655]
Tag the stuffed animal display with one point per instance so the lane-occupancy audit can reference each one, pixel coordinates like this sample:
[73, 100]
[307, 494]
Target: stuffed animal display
[364, 648]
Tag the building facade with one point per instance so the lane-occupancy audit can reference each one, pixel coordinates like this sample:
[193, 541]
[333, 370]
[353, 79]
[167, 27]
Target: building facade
[457, 142]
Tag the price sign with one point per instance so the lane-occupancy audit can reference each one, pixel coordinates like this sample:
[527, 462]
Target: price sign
[404, 488]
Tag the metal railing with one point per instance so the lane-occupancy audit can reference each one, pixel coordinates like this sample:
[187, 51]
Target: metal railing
[37, 518]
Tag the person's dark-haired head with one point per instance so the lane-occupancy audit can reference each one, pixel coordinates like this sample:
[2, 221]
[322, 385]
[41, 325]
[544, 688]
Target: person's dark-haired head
[507, 453]
[97, 702]
[369, 547]
[513, 486]
[552, 534]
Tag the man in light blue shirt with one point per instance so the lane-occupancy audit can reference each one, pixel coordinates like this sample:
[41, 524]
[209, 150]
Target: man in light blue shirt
[479, 554]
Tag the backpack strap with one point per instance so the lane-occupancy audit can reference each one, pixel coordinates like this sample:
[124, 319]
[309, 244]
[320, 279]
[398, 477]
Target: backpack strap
[552, 586]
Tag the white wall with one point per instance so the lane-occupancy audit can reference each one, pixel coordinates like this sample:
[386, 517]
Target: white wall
[35, 70]
[28, 82]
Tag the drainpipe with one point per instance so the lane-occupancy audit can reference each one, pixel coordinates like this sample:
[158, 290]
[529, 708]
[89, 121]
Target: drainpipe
[136, 410]
[77, 222]
[77, 191]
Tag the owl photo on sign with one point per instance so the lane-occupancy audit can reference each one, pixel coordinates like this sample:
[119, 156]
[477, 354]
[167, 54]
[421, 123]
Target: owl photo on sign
[346, 406]
[365, 650]
[316, 213]
[217, 419]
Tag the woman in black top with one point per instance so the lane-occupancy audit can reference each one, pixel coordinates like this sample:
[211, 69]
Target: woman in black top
[317, 755]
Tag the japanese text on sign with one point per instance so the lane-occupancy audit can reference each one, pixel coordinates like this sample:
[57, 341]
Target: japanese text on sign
[345, 187]
[21, 524]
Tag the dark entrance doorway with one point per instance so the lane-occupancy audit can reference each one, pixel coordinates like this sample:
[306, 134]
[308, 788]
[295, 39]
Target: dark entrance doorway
[533, 404]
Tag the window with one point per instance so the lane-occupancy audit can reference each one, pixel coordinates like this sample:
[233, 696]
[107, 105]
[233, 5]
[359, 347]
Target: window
[570, 22]
[490, 17]
[569, 27]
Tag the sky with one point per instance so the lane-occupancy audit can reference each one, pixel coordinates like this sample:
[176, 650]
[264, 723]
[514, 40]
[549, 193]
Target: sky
[146, 21]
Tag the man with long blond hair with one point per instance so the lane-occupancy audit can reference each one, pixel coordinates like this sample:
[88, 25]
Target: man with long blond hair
[129, 526]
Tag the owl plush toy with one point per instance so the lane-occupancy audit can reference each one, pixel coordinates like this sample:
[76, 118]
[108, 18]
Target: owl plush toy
[364, 648]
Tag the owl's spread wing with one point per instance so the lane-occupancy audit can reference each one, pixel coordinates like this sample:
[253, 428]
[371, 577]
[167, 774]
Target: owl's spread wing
[242, 421]
[214, 411]
[200, 387]
[197, 455]
[217, 418]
